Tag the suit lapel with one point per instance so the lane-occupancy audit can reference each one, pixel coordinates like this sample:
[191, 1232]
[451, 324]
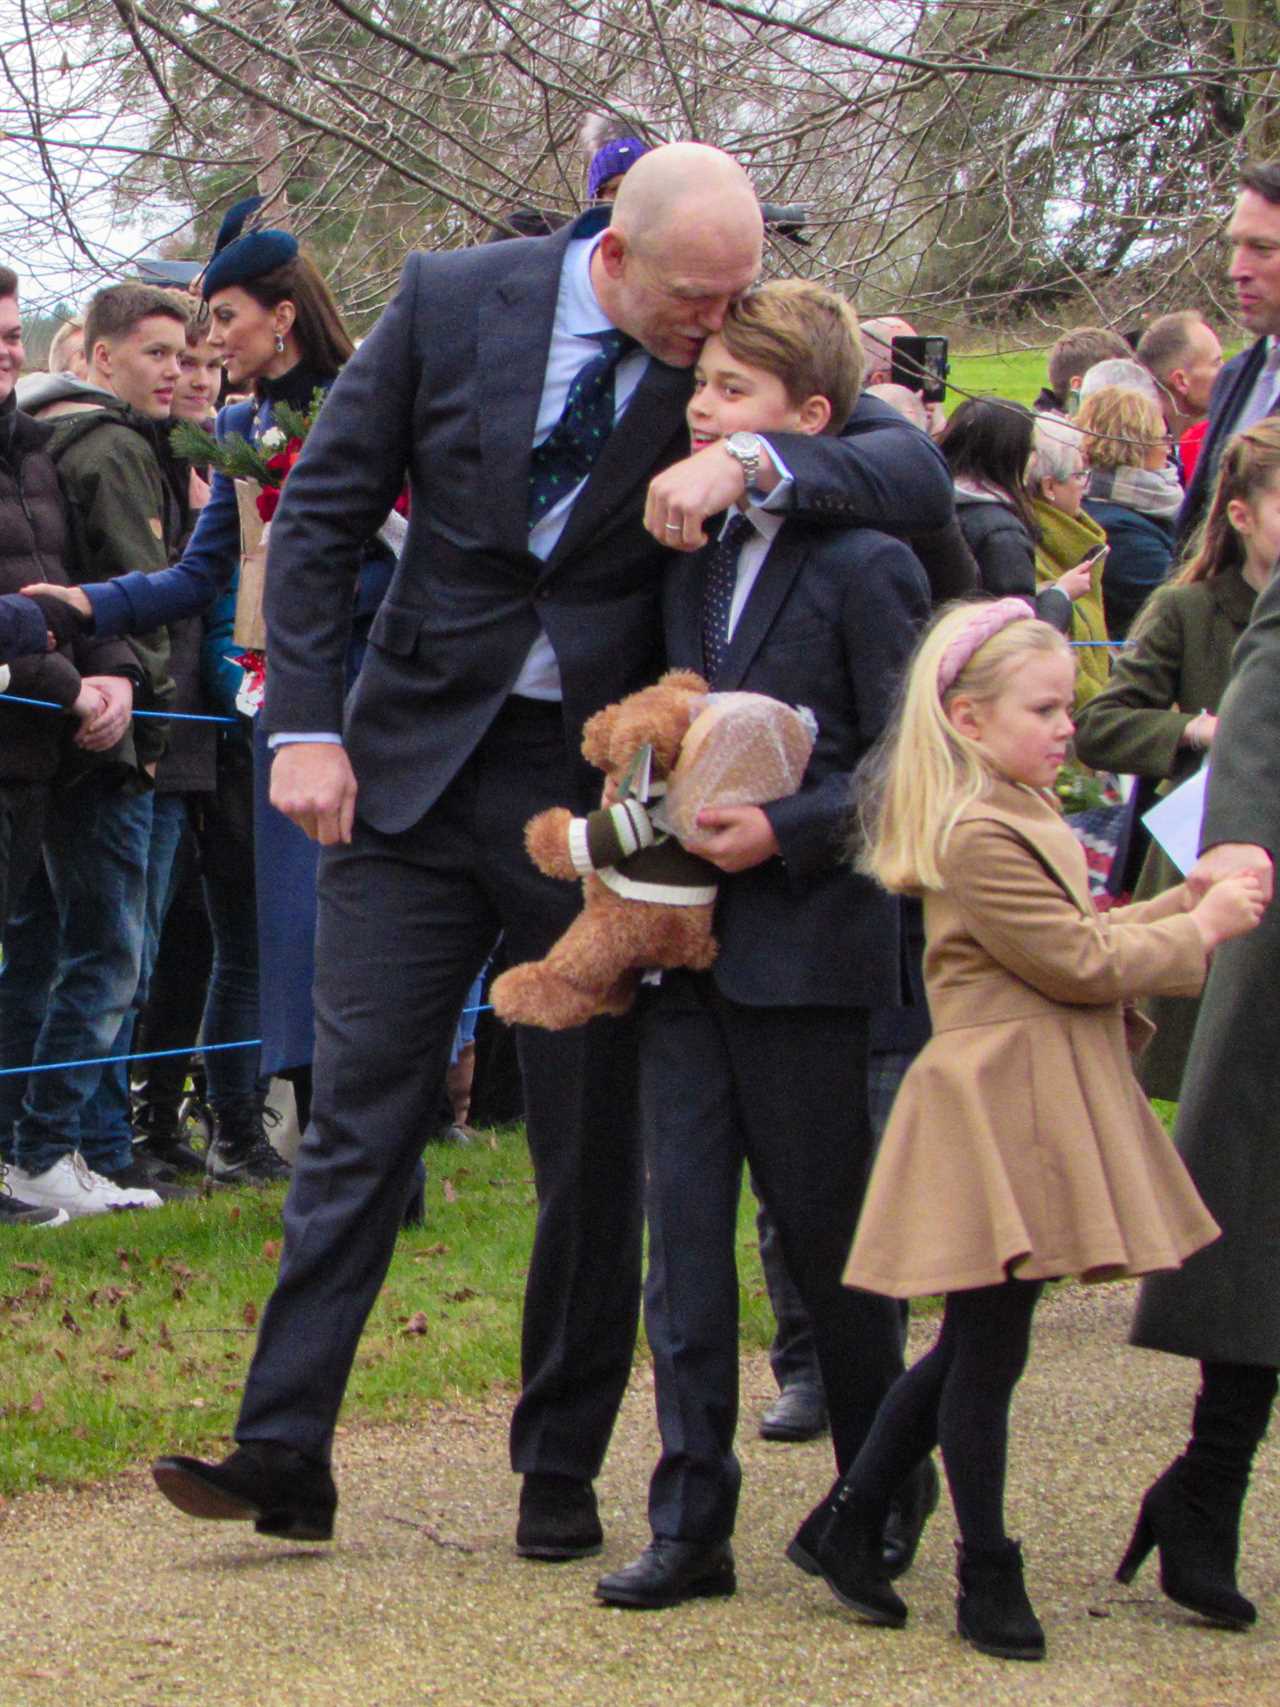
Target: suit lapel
[653, 415]
[513, 340]
[772, 585]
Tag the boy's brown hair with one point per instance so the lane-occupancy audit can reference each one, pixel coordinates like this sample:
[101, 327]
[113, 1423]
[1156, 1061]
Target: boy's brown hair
[805, 336]
[117, 309]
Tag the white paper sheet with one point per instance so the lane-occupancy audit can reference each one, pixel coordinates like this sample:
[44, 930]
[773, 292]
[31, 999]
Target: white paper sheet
[1175, 821]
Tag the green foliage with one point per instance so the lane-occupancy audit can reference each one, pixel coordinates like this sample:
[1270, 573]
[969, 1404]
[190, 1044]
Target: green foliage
[125, 1336]
[233, 456]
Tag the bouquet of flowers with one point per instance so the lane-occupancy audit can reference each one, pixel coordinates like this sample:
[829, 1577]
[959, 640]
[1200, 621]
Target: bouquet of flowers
[267, 463]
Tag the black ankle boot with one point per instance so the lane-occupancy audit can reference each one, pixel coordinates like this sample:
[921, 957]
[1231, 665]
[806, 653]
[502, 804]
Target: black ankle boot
[1198, 1538]
[849, 1554]
[240, 1153]
[992, 1609]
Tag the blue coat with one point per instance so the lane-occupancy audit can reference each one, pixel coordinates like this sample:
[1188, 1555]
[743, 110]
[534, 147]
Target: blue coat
[1139, 551]
[285, 858]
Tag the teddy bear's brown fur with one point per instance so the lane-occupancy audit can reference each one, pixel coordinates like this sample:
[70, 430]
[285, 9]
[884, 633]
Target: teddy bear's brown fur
[594, 967]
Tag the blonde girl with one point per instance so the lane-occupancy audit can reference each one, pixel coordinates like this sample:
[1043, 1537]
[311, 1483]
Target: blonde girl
[1020, 1147]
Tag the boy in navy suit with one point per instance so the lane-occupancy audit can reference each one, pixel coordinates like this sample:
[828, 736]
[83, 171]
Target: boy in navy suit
[763, 1058]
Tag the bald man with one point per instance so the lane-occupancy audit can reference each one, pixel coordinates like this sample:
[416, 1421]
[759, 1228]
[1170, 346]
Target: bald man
[525, 599]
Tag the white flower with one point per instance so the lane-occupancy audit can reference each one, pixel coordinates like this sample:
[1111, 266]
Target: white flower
[272, 440]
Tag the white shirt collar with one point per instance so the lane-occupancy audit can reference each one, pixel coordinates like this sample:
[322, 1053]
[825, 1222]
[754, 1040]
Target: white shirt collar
[579, 306]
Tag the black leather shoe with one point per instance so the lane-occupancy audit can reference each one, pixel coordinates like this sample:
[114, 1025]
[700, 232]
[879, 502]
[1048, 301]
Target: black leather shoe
[798, 1413]
[558, 1519]
[278, 1490]
[913, 1505]
[668, 1572]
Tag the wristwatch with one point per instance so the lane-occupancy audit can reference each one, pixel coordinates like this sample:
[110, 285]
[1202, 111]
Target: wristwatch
[745, 448]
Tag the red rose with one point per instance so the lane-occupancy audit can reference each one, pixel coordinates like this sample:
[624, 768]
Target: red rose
[267, 500]
[401, 505]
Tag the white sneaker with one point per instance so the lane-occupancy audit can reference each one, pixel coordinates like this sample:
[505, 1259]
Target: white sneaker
[71, 1184]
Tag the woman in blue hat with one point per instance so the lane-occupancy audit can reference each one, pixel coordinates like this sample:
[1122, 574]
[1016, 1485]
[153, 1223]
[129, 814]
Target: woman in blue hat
[282, 339]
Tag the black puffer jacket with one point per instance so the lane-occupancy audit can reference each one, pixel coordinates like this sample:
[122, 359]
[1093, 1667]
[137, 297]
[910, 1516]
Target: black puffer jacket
[33, 543]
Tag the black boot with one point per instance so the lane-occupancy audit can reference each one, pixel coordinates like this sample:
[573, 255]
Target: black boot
[157, 1136]
[992, 1609]
[1197, 1545]
[240, 1153]
[913, 1505]
[1192, 1512]
[848, 1551]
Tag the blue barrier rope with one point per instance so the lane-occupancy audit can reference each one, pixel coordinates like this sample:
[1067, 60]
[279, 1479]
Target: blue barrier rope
[160, 1054]
[167, 716]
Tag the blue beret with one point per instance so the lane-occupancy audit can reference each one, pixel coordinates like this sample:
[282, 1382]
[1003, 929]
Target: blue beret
[612, 160]
[248, 257]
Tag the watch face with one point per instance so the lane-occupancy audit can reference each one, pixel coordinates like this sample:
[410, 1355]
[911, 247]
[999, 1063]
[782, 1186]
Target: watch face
[744, 444]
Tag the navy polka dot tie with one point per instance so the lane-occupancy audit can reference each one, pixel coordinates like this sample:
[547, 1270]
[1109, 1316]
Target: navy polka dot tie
[565, 457]
[717, 593]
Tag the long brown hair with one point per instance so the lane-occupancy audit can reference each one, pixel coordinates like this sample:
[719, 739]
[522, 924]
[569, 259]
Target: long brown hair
[1249, 461]
[317, 325]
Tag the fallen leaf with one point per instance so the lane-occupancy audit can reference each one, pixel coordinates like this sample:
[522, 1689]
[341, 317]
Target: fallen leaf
[462, 1295]
[123, 1353]
[417, 1323]
[35, 1404]
[69, 1322]
[447, 1191]
[271, 1250]
[249, 1313]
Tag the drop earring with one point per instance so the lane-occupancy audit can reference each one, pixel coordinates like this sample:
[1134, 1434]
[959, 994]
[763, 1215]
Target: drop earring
[279, 345]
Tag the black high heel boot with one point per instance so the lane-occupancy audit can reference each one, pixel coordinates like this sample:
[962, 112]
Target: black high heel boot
[1198, 1540]
[992, 1609]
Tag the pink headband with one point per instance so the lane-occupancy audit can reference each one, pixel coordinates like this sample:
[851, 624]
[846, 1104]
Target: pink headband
[986, 620]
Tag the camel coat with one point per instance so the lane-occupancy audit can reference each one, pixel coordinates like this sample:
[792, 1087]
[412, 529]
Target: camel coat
[1020, 1144]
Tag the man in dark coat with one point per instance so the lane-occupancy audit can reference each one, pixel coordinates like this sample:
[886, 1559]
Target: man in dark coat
[1223, 1305]
[1248, 388]
[526, 598]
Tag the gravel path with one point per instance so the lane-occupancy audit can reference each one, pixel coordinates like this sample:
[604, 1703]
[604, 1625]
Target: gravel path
[107, 1595]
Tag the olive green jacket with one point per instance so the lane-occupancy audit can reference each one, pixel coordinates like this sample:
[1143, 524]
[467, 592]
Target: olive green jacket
[124, 514]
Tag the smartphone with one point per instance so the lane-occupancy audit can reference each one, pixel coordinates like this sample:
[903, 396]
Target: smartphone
[921, 365]
[1094, 556]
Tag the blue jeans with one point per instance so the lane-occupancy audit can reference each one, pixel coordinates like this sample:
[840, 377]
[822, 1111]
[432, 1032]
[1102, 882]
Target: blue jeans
[73, 951]
[106, 1123]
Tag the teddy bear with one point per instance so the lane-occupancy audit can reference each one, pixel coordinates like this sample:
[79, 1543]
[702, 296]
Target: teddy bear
[648, 899]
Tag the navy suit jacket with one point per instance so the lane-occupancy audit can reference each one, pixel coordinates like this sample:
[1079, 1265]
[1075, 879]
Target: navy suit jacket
[446, 388]
[830, 623]
[1230, 390]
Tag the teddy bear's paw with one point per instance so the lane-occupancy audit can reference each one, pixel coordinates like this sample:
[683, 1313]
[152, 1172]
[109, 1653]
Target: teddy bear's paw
[533, 994]
[546, 837]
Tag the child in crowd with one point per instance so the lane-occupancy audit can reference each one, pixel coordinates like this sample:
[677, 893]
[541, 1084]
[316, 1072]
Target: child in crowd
[1157, 715]
[1020, 1147]
[763, 1059]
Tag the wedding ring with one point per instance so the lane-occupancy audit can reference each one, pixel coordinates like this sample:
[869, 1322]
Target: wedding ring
[674, 527]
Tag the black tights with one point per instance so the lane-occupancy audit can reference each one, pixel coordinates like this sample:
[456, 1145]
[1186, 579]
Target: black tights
[956, 1397]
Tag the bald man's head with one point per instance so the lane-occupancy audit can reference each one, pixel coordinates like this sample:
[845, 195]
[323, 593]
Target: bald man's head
[877, 338]
[684, 242]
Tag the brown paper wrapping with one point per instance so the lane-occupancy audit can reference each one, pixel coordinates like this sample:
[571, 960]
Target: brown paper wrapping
[250, 627]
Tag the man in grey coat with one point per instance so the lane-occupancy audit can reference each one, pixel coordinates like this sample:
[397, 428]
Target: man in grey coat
[1223, 1306]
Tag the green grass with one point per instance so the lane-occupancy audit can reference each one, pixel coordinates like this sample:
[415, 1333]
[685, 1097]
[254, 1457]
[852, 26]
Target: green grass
[125, 1336]
[1018, 375]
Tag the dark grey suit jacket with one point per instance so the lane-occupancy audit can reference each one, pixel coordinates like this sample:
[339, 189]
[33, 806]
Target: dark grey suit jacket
[1230, 390]
[445, 390]
[830, 623]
